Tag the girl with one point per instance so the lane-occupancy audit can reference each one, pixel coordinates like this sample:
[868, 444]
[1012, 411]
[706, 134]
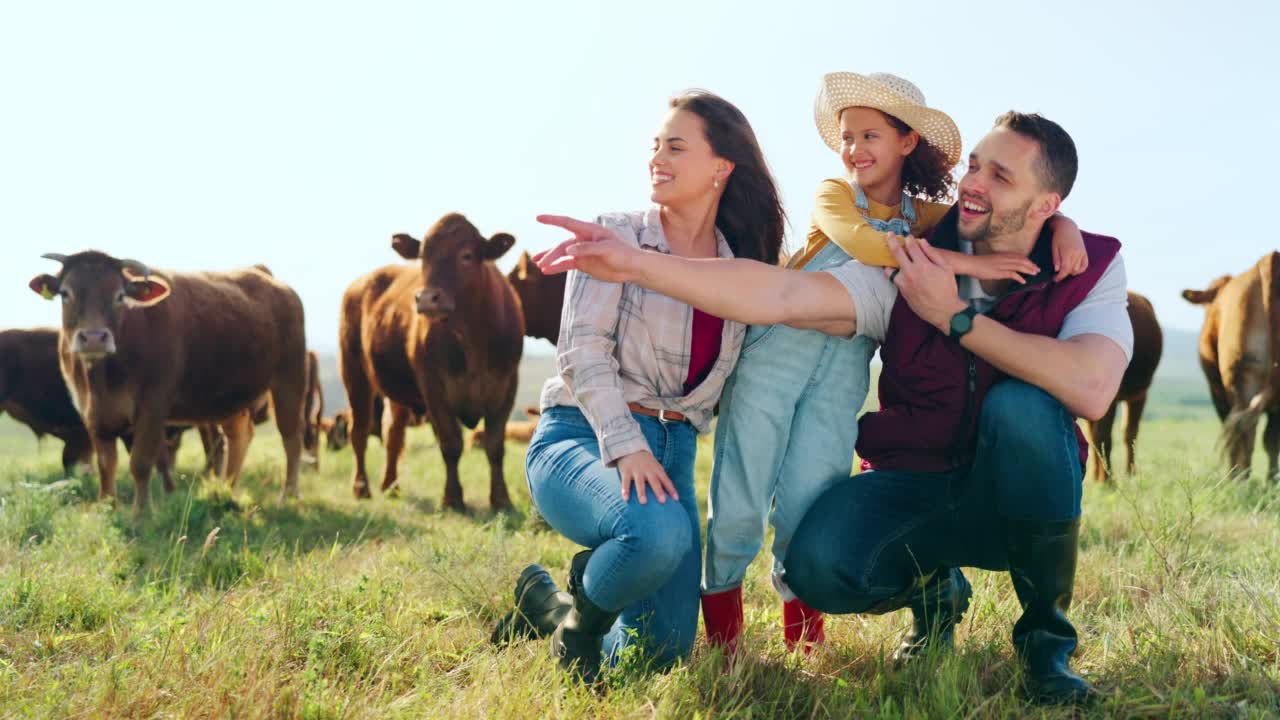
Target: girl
[639, 376]
[788, 416]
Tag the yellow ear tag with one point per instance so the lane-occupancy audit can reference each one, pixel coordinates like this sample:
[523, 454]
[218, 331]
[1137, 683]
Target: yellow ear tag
[45, 292]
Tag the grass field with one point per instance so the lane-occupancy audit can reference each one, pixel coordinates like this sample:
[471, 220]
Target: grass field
[229, 604]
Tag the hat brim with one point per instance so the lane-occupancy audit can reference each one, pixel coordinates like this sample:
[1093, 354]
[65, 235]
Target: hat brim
[842, 90]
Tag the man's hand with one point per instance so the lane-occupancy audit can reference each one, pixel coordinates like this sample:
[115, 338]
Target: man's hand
[593, 249]
[926, 281]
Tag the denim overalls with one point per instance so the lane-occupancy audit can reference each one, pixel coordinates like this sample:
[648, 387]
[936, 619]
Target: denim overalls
[787, 428]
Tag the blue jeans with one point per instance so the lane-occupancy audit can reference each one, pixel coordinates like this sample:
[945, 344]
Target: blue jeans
[647, 558]
[787, 428]
[870, 537]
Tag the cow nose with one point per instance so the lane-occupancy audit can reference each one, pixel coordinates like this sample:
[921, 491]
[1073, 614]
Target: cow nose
[99, 341]
[432, 301]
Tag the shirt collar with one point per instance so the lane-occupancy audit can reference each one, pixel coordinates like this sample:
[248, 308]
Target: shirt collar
[652, 236]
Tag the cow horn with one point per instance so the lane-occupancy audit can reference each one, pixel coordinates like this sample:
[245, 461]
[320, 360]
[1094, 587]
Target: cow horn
[137, 268]
[56, 257]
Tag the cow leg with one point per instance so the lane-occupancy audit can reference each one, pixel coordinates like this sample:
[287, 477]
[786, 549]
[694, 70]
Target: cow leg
[215, 450]
[1217, 390]
[397, 419]
[238, 431]
[1132, 418]
[77, 451]
[358, 434]
[105, 449]
[165, 460]
[449, 436]
[495, 446]
[1271, 441]
[148, 444]
[288, 395]
[1242, 433]
[1100, 432]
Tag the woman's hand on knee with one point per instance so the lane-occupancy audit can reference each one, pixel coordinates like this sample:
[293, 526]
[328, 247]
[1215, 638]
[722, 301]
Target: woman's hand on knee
[641, 469]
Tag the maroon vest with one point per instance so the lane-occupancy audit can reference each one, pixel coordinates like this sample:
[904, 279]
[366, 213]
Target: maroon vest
[931, 388]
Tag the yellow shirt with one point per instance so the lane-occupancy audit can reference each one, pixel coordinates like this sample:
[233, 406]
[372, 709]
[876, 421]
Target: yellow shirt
[836, 218]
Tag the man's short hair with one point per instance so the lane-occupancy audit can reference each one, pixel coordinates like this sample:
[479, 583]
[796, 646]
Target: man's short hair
[1058, 162]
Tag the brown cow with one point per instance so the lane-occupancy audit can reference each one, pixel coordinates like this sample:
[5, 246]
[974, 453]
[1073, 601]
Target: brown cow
[1148, 344]
[1240, 356]
[33, 392]
[441, 338]
[138, 349]
[541, 297]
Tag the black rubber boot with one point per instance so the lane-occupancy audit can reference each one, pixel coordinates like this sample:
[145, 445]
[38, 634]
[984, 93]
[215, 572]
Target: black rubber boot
[540, 606]
[1042, 563]
[936, 609]
[576, 641]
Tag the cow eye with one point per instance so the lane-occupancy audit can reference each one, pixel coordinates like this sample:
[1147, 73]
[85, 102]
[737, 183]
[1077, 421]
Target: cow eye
[66, 294]
[468, 256]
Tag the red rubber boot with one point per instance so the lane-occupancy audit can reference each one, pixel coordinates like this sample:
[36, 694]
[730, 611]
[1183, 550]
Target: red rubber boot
[801, 626]
[722, 616]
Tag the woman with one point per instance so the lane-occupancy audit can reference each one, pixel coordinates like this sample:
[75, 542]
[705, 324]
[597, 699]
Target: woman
[639, 376]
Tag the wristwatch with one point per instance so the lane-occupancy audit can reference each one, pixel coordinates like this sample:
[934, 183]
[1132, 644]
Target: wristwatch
[962, 323]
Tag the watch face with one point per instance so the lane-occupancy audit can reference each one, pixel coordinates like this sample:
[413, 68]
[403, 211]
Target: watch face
[960, 323]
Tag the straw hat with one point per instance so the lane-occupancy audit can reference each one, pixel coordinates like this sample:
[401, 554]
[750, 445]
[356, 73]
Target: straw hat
[889, 94]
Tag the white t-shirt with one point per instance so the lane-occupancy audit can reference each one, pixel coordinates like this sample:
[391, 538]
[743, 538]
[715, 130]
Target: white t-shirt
[1102, 312]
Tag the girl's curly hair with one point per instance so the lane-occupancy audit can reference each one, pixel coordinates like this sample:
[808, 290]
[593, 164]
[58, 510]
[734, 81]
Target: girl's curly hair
[925, 173]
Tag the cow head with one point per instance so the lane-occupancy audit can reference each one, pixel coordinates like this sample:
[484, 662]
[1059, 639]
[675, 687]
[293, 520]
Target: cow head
[454, 257]
[1206, 296]
[337, 431]
[97, 290]
[541, 297]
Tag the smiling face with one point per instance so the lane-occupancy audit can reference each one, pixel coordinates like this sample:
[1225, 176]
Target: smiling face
[1001, 194]
[683, 168]
[873, 150]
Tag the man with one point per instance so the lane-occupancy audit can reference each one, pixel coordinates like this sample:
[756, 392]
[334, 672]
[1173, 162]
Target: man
[975, 458]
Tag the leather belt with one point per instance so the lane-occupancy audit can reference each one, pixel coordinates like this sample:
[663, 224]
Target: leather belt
[663, 415]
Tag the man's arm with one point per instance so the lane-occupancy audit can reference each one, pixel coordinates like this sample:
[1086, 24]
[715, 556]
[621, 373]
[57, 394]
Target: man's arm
[1082, 372]
[744, 291]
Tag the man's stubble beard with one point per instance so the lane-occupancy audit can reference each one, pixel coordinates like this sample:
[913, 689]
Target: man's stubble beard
[998, 226]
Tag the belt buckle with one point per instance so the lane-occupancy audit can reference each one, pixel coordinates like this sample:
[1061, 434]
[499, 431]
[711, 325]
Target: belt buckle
[662, 416]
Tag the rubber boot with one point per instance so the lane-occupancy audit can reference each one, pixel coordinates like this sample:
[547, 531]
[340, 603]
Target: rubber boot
[540, 606]
[576, 641]
[936, 609]
[722, 616]
[1042, 563]
[802, 626]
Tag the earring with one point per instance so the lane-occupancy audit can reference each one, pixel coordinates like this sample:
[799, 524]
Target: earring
[715, 183]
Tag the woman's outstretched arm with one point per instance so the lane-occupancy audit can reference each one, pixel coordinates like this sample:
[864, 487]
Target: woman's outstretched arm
[744, 291]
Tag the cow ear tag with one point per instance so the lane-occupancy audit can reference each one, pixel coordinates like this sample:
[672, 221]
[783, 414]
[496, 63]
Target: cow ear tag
[40, 286]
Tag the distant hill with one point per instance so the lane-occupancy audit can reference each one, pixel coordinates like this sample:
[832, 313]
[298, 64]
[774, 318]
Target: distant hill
[1179, 380]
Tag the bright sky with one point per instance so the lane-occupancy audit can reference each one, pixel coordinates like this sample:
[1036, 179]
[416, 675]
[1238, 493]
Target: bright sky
[304, 134]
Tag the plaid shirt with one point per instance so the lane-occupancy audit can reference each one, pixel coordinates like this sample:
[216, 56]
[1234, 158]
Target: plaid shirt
[620, 343]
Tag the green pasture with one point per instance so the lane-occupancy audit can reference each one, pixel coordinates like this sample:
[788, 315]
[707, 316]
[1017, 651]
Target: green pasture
[226, 603]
